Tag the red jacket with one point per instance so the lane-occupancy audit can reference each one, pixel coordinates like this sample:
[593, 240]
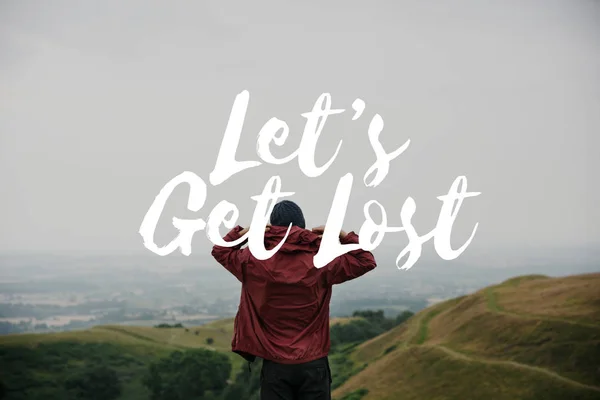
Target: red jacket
[283, 313]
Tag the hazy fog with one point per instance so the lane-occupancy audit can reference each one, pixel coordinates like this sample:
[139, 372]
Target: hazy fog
[102, 103]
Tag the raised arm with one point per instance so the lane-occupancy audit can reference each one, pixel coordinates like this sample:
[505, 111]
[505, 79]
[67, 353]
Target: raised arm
[348, 266]
[232, 258]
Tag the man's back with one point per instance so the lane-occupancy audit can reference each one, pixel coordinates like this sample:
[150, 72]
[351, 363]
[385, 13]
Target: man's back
[283, 316]
[284, 306]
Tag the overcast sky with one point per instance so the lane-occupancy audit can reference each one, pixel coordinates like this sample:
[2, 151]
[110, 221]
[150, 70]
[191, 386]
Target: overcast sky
[103, 102]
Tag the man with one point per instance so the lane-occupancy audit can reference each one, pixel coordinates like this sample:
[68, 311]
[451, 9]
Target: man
[283, 316]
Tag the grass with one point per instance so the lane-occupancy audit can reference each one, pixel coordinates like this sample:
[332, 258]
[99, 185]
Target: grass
[47, 359]
[516, 281]
[39, 371]
[422, 372]
[374, 348]
[530, 337]
[412, 330]
[492, 302]
[572, 300]
[127, 349]
[424, 326]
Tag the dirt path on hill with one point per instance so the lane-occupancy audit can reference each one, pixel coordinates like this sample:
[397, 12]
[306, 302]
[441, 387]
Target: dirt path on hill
[515, 364]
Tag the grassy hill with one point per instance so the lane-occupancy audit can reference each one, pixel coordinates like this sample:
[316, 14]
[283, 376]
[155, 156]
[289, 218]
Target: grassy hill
[45, 359]
[34, 366]
[530, 337]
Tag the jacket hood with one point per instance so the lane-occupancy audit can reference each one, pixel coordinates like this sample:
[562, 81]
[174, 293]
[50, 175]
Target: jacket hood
[298, 240]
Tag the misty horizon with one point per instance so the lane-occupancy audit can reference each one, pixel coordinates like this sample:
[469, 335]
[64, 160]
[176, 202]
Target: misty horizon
[101, 110]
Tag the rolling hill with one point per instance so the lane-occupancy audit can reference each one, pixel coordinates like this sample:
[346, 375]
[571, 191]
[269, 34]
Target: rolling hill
[36, 362]
[33, 365]
[531, 337]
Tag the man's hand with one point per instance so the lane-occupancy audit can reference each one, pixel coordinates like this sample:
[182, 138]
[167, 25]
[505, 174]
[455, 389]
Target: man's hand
[320, 229]
[245, 230]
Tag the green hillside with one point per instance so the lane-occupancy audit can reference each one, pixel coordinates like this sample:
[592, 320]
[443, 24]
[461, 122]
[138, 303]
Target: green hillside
[39, 366]
[34, 365]
[530, 337]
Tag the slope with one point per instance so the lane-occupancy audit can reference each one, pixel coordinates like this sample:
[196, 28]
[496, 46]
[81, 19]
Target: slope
[36, 365]
[32, 365]
[530, 337]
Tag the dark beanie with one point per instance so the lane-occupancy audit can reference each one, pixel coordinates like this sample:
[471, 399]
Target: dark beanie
[286, 212]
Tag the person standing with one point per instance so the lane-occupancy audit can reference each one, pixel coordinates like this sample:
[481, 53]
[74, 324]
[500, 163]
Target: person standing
[283, 315]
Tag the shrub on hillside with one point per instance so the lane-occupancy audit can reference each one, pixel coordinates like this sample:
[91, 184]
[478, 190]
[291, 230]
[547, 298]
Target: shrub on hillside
[178, 325]
[187, 375]
[405, 315]
[246, 384]
[370, 324]
[94, 383]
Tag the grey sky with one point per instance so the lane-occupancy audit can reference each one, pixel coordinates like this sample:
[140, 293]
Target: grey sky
[102, 103]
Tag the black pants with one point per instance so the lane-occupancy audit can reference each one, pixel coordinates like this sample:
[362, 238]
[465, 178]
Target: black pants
[308, 381]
